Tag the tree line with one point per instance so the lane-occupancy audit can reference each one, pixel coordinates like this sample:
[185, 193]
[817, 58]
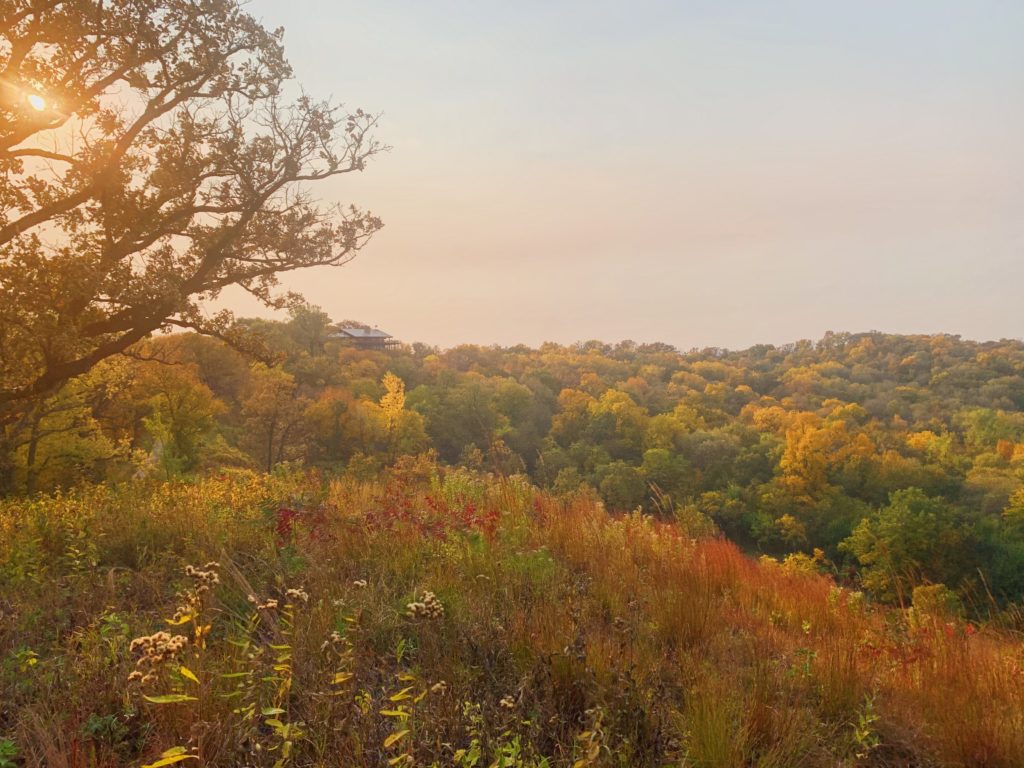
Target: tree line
[894, 461]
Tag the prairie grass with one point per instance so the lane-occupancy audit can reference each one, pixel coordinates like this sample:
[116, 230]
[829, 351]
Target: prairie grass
[446, 618]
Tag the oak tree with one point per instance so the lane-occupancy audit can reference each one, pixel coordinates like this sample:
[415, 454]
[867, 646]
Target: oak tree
[152, 157]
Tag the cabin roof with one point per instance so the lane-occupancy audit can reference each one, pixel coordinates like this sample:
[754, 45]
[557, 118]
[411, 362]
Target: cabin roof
[353, 332]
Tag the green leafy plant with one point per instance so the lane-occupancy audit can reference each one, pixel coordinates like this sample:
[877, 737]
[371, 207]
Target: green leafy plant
[8, 753]
[865, 737]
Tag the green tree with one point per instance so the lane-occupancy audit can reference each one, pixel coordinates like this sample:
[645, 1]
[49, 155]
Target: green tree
[570, 423]
[182, 414]
[915, 539]
[61, 440]
[618, 424]
[669, 472]
[309, 328]
[274, 414]
[622, 487]
[459, 414]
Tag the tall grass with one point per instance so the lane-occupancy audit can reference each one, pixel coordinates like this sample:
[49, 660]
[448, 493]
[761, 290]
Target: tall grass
[552, 634]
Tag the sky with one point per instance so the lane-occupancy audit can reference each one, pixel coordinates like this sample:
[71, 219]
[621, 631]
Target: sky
[715, 173]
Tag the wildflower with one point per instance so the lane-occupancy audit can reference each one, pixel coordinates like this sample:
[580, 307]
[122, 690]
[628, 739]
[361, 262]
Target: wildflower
[361, 583]
[855, 600]
[159, 646]
[153, 651]
[334, 638]
[269, 605]
[507, 702]
[297, 594]
[206, 576]
[429, 607]
[439, 687]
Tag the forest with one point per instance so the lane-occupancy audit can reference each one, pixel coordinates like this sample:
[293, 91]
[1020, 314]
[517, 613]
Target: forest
[889, 461]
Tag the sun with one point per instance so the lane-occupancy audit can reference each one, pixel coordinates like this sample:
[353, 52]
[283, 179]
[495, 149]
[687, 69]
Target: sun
[37, 102]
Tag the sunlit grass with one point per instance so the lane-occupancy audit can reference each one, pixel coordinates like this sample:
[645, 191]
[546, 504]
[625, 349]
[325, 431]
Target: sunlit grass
[438, 618]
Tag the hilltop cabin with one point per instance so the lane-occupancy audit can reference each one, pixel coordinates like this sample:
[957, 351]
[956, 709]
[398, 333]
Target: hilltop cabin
[365, 338]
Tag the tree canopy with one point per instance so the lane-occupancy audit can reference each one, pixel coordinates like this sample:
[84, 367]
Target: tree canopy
[890, 461]
[152, 156]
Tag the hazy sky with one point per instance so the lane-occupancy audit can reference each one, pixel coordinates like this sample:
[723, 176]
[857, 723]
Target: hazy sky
[701, 173]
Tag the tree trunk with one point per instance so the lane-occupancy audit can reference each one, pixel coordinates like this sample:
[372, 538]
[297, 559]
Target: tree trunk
[7, 469]
[31, 476]
[270, 444]
[283, 442]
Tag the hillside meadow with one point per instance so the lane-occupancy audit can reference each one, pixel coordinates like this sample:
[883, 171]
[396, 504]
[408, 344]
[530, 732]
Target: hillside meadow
[442, 616]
